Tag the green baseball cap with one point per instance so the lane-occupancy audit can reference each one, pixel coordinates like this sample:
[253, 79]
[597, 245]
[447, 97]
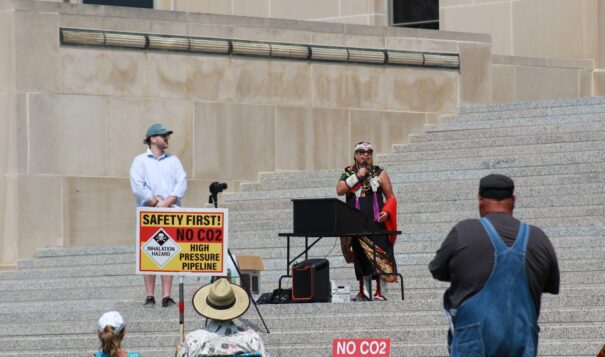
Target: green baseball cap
[158, 129]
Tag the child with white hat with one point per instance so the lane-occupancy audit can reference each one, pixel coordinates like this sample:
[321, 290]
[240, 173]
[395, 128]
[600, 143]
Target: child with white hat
[111, 330]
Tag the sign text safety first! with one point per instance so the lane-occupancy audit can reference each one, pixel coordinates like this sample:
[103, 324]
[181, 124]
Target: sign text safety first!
[181, 241]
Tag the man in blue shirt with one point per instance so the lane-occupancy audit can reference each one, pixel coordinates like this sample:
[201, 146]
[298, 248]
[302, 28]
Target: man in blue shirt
[158, 179]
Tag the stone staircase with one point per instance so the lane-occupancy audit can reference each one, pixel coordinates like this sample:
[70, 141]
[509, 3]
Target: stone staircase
[555, 151]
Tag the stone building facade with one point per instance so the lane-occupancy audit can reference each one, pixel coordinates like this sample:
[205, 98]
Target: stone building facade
[75, 115]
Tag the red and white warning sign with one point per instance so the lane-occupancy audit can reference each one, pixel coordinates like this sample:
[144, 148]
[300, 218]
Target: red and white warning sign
[361, 347]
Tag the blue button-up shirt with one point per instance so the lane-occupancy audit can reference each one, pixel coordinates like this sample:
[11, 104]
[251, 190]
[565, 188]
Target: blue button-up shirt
[158, 177]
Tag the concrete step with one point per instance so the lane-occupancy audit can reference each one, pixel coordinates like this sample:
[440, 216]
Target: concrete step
[469, 122]
[444, 227]
[407, 247]
[406, 186]
[279, 338]
[431, 290]
[544, 223]
[319, 336]
[403, 188]
[416, 286]
[537, 130]
[275, 323]
[525, 113]
[549, 103]
[267, 279]
[17, 321]
[409, 196]
[398, 175]
[578, 348]
[529, 196]
[525, 204]
[572, 347]
[560, 119]
[126, 265]
[525, 214]
[502, 162]
[406, 181]
[571, 297]
[502, 142]
[152, 321]
[416, 275]
[416, 200]
[581, 282]
[394, 171]
[84, 251]
[491, 151]
[270, 238]
[447, 213]
[145, 351]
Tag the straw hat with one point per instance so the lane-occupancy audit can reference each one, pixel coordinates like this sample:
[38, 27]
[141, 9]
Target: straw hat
[221, 300]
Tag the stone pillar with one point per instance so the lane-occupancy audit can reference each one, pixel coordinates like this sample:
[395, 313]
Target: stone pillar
[475, 74]
[8, 227]
[599, 73]
[30, 204]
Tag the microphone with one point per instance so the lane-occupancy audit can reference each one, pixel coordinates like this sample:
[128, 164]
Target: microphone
[364, 164]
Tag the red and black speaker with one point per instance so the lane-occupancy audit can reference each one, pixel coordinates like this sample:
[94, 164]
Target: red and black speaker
[311, 281]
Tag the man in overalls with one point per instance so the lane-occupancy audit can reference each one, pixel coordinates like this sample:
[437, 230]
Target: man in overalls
[498, 268]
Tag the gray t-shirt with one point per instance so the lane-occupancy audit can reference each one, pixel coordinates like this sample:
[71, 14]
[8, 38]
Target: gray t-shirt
[466, 258]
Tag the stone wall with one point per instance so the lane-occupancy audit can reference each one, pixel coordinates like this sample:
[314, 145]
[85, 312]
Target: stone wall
[529, 28]
[558, 45]
[360, 12]
[559, 29]
[76, 116]
[521, 79]
[538, 29]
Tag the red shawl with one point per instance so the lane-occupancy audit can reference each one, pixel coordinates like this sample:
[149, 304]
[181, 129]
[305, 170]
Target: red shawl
[390, 206]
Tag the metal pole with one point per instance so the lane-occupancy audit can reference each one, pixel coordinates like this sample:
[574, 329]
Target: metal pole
[181, 310]
[215, 202]
[247, 288]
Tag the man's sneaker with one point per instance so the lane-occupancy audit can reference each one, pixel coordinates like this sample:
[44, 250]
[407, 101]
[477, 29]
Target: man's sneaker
[149, 302]
[167, 301]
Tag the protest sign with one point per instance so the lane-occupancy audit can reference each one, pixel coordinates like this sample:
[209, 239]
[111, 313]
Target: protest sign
[182, 241]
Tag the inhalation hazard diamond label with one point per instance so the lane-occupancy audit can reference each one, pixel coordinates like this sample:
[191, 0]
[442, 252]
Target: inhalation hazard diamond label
[161, 248]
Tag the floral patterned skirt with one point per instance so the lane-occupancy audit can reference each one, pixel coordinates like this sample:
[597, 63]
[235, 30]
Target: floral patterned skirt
[360, 251]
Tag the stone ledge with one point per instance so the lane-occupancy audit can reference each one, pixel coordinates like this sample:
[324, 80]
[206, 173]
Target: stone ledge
[8, 267]
[542, 62]
[227, 46]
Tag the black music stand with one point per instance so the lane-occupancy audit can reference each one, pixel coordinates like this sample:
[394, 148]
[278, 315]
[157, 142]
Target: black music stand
[328, 217]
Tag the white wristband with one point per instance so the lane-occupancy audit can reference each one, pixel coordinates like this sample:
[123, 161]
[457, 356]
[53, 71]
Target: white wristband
[352, 180]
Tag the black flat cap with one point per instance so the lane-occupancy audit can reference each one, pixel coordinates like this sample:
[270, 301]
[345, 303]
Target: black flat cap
[496, 187]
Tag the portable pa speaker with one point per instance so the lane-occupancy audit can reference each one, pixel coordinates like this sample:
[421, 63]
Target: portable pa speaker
[251, 282]
[311, 280]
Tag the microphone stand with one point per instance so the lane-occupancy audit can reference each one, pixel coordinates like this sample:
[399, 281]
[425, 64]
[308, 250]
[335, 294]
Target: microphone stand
[213, 200]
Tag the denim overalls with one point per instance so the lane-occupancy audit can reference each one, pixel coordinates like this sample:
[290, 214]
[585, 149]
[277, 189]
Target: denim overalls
[500, 319]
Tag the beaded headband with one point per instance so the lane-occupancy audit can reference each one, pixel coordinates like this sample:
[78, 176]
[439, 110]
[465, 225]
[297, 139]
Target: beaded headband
[363, 145]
